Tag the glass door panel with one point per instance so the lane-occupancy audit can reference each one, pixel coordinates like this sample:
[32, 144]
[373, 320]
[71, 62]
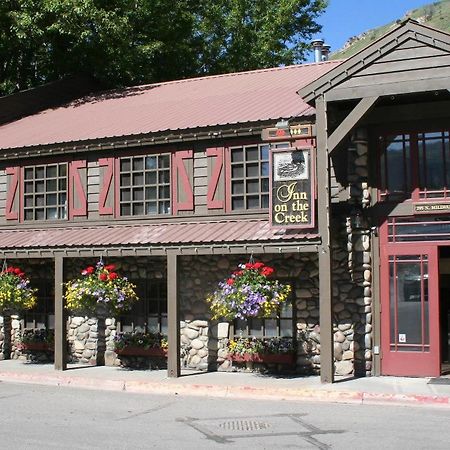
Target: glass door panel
[409, 310]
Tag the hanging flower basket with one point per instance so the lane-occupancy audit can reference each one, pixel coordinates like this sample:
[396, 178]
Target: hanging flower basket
[248, 292]
[141, 344]
[100, 291]
[15, 291]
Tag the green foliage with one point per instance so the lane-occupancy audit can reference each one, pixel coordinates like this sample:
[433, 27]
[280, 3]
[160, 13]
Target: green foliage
[140, 339]
[100, 290]
[16, 294]
[125, 42]
[248, 293]
[252, 346]
[37, 335]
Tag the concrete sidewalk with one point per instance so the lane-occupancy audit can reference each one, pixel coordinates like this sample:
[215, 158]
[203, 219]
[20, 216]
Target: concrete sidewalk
[373, 390]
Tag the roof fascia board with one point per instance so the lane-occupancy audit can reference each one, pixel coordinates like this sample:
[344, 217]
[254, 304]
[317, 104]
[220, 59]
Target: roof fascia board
[161, 138]
[223, 249]
[409, 30]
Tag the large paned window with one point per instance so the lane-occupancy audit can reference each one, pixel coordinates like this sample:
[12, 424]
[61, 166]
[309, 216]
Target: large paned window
[280, 325]
[42, 315]
[149, 313]
[434, 164]
[45, 192]
[145, 185]
[250, 177]
[415, 165]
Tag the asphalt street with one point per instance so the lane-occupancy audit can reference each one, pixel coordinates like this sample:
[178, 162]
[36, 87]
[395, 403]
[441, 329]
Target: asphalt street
[50, 417]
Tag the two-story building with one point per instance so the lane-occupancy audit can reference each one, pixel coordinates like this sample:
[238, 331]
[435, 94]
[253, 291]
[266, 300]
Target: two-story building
[175, 182]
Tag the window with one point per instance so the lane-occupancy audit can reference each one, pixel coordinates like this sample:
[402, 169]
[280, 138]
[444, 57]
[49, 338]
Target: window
[150, 312]
[42, 315]
[281, 325]
[145, 185]
[45, 192]
[415, 165]
[250, 177]
[434, 164]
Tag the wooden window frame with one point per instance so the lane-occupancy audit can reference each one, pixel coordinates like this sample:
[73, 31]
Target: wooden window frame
[244, 179]
[132, 187]
[45, 306]
[62, 208]
[144, 302]
[278, 318]
[413, 190]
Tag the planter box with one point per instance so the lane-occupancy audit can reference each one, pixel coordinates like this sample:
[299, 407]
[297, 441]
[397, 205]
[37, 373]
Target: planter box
[139, 351]
[35, 346]
[268, 358]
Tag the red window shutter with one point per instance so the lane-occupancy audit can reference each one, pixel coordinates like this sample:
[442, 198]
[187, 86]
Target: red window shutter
[217, 154]
[182, 192]
[12, 207]
[105, 188]
[77, 192]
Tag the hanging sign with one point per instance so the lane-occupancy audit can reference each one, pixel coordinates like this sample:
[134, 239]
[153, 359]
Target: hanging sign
[292, 188]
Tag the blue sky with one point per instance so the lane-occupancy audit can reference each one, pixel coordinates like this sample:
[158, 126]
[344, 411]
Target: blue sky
[346, 18]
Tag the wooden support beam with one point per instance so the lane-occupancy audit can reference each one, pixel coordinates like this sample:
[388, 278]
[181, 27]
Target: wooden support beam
[325, 257]
[173, 317]
[60, 317]
[350, 121]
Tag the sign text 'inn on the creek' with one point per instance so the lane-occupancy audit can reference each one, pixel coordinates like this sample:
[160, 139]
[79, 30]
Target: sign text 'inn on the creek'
[292, 194]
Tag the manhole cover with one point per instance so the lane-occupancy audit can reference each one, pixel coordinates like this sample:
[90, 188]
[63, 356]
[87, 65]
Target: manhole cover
[244, 425]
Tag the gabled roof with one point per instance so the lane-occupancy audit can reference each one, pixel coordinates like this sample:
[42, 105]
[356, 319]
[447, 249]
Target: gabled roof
[396, 39]
[236, 98]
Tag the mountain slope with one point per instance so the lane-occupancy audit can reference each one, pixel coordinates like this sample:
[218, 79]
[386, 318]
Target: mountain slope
[436, 15]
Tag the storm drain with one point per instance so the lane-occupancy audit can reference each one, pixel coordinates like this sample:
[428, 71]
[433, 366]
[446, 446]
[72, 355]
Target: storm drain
[244, 425]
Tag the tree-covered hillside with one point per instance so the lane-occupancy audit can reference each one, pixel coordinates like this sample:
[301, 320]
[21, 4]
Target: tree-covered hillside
[436, 15]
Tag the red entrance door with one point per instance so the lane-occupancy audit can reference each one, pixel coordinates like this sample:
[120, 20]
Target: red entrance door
[410, 310]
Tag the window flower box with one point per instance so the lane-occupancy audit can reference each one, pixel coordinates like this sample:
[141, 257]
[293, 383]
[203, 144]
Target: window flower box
[267, 358]
[140, 351]
[35, 346]
[139, 343]
[37, 340]
[268, 351]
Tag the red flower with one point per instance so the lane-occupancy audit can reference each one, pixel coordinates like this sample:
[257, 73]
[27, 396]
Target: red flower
[17, 271]
[230, 281]
[88, 271]
[103, 277]
[238, 273]
[21, 274]
[110, 267]
[10, 270]
[249, 266]
[258, 265]
[267, 271]
[113, 275]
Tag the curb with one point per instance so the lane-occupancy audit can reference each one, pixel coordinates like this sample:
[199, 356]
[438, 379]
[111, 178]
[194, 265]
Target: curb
[227, 391]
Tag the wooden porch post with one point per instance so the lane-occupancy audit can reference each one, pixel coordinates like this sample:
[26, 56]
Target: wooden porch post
[325, 257]
[60, 317]
[173, 317]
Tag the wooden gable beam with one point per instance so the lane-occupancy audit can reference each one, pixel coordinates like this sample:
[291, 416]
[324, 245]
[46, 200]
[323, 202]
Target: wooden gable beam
[350, 121]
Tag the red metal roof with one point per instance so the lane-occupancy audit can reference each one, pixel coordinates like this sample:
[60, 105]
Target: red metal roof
[220, 232]
[236, 98]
